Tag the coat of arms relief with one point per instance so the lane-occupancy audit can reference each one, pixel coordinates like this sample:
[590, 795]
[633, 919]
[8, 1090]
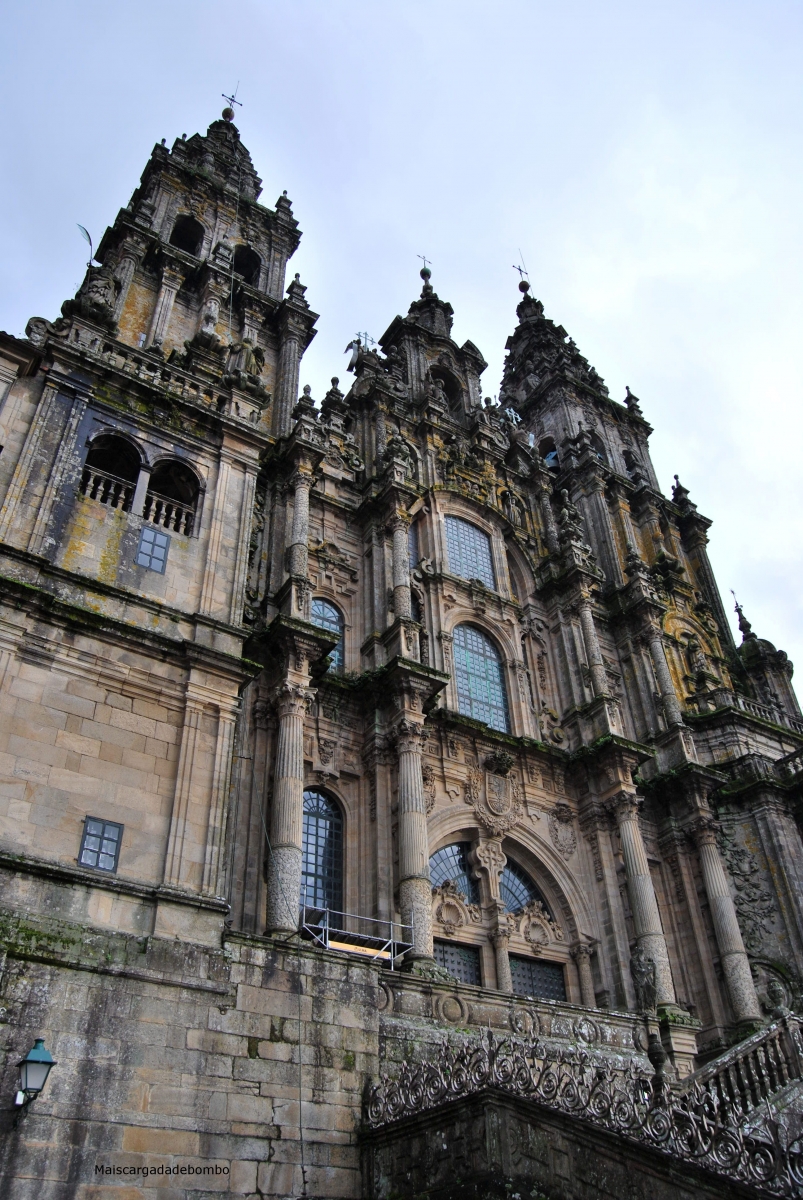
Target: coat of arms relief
[497, 799]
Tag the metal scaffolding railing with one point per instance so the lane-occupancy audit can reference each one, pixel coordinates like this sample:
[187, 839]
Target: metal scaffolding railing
[385, 941]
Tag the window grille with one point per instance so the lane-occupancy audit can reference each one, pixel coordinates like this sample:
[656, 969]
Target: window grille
[518, 890]
[541, 980]
[461, 961]
[153, 547]
[326, 616]
[478, 674]
[100, 844]
[322, 863]
[469, 552]
[451, 862]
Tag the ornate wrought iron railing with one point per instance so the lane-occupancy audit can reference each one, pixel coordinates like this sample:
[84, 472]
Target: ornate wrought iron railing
[107, 489]
[703, 1124]
[171, 514]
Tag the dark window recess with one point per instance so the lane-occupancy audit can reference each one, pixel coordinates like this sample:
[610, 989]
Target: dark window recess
[461, 961]
[100, 844]
[187, 235]
[542, 980]
[247, 264]
[110, 472]
[326, 616]
[172, 497]
[153, 547]
[451, 863]
[322, 863]
[412, 542]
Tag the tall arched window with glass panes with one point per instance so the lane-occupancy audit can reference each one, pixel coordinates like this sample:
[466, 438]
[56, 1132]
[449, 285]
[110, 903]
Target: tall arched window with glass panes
[469, 550]
[479, 678]
[322, 859]
[326, 616]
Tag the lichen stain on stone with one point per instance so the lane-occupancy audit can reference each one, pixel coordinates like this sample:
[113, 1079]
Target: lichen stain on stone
[116, 525]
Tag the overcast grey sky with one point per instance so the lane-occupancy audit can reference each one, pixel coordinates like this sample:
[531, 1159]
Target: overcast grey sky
[645, 158]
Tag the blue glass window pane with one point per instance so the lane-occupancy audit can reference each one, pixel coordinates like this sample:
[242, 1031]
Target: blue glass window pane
[100, 844]
[326, 616]
[322, 863]
[461, 961]
[478, 675]
[469, 552]
[412, 542]
[152, 550]
[542, 980]
[451, 863]
[518, 890]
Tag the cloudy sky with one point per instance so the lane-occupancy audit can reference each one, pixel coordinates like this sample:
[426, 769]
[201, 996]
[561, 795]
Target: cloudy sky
[644, 158]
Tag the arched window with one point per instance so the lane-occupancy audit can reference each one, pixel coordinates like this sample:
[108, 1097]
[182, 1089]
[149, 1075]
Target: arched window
[478, 675]
[598, 447]
[110, 472]
[187, 235]
[518, 890]
[451, 863]
[469, 552]
[247, 264]
[172, 497]
[326, 616]
[548, 452]
[517, 585]
[322, 862]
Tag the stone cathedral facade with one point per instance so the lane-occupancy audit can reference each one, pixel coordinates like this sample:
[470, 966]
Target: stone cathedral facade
[346, 742]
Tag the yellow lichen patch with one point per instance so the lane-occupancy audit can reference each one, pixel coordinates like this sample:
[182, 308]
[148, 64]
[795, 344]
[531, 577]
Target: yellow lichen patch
[116, 525]
[137, 311]
[83, 527]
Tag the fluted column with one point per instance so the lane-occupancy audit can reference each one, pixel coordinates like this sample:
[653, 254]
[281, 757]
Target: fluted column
[581, 953]
[643, 904]
[171, 282]
[287, 386]
[596, 665]
[286, 818]
[415, 889]
[666, 687]
[402, 604]
[732, 954]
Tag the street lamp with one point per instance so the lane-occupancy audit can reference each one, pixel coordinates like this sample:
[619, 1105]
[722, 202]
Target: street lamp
[34, 1070]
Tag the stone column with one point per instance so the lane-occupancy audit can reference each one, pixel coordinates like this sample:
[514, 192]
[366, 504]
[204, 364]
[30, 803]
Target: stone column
[581, 953]
[504, 978]
[124, 273]
[415, 889]
[287, 815]
[171, 282]
[402, 604]
[141, 490]
[298, 555]
[287, 382]
[733, 956]
[643, 904]
[550, 528]
[666, 687]
[596, 665]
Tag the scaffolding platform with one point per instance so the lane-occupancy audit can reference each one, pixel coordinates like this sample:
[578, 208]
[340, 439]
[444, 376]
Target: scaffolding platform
[350, 933]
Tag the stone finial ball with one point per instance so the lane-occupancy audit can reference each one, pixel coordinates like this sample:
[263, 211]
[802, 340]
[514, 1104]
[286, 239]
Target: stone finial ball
[524, 286]
[228, 114]
[425, 273]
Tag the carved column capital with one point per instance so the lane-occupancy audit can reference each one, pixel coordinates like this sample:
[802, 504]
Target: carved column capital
[704, 830]
[292, 699]
[624, 806]
[581, 950]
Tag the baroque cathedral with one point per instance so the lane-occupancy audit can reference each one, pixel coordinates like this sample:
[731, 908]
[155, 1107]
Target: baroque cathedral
[386, 809]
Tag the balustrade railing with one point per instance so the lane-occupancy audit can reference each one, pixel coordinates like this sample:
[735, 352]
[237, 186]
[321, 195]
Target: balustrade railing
[170, 514]
[755, 1070]
[107, 489]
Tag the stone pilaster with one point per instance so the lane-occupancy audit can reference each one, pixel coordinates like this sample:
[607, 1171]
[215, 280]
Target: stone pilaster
[504, 978]
[548, 517]
[593, 652]
[581, 953]
[171, 282]
[643, 904]
[733, 956]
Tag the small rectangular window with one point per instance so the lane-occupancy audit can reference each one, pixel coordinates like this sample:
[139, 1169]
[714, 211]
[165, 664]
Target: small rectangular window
[461, 961]
[153, 547]
[100, 845]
